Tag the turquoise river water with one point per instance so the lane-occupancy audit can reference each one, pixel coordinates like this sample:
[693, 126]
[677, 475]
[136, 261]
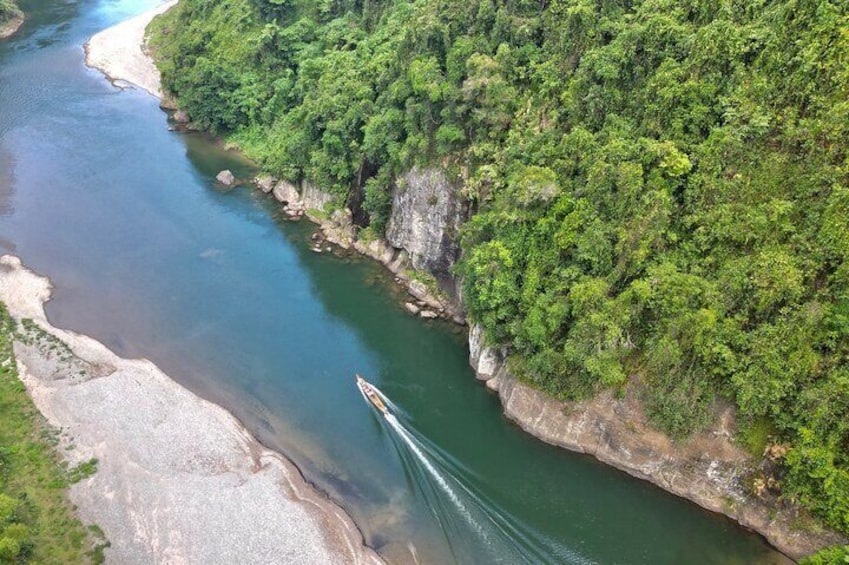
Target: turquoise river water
[148, 256]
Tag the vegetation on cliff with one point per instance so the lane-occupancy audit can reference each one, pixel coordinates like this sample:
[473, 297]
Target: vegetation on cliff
[37, 522]
[659, 189]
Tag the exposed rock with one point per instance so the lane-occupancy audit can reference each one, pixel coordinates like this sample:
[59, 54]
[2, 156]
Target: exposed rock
[265, 183]
[411, 308]
[399, 263]
[168, 102]
[424, 223]
[707, 469]
[377, 249]
[419, 290]
[423, 294]
[287, 193]
[181, 117]
[426, 215]
[339, 229]
[428, 314]
[485, 360]
[313, 198]
[226, 178]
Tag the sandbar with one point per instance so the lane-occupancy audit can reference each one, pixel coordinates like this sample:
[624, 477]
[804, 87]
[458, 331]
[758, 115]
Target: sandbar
[119, 52]
[179, 479]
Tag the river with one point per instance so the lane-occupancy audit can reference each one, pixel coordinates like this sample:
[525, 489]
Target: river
[147, 255]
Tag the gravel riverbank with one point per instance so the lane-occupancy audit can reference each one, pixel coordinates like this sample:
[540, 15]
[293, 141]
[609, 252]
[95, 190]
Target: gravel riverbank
[179, 479]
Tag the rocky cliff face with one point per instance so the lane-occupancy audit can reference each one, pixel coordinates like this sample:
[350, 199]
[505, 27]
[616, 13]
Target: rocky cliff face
[425, 221]
[708, 469]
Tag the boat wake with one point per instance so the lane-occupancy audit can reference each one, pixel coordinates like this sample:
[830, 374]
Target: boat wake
[461, 508]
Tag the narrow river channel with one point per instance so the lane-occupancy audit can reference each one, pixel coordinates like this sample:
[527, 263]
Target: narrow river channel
[148, 256]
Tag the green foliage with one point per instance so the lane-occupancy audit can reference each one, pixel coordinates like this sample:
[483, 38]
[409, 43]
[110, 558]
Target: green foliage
[37, 521]
[835, 555]
[660, 187]
[756, 434]
[82, 471]
[377, 204]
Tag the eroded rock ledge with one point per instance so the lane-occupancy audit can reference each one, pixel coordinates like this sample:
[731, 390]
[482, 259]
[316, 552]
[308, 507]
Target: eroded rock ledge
[708, 469]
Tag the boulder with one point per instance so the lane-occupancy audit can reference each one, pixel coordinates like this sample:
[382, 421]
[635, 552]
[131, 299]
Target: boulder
[428, 314]
[226, 178]
[419, 290]
[411, 308]
[168, 102]
[287, 193]
[398, 264]
[265, 183]
[339, 229]
[377, 249]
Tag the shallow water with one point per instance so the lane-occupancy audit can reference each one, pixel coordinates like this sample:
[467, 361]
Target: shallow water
[149, 256]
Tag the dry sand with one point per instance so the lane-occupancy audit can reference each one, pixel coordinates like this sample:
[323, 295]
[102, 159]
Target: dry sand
[179, 479]
[119, 52]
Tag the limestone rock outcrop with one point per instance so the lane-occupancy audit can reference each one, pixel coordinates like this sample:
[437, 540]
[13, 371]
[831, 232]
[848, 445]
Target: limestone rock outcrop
[226, 178]
[425, 220]
[708, 468]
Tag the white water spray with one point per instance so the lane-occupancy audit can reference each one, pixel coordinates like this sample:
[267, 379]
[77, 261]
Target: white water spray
[434, 472]
[421, 450]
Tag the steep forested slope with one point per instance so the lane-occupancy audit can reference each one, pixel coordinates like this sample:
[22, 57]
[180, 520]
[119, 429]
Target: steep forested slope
[659, 188]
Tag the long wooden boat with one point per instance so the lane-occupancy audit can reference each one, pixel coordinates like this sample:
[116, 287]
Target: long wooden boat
[371, 395]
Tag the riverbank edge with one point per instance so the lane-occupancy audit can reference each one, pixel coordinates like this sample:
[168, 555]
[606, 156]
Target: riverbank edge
[708, 468]
[712, 478]
[164, 453]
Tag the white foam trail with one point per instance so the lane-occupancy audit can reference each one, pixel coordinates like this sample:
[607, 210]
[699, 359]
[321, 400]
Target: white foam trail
[434, 472]
[504, 526]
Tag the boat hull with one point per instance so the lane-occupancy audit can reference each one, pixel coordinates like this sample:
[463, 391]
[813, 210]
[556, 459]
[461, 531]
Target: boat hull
[371, 395]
